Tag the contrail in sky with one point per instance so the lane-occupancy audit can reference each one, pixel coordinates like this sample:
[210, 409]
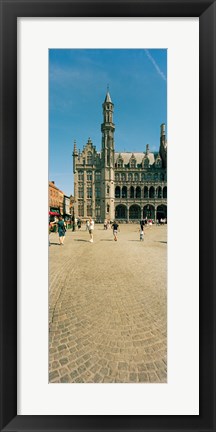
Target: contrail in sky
[155, 64]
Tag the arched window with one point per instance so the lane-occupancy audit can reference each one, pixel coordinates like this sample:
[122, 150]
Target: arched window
[142, 177]
[151, 192]
[155, 176]
[130, 177]
[124, 192]
[145, 192]
[133, 163]
[108, 189]
[165, 192]
[159, 192]
[131, 192]
[117, 192]
[117, 177]
[138, 192]
[136, 177]
[123, 177]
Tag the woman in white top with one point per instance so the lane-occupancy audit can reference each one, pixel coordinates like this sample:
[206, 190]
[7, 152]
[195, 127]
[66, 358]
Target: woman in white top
[91, 229]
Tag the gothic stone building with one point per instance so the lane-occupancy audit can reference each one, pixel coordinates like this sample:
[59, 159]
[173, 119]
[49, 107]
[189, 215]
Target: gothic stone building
[122, 186]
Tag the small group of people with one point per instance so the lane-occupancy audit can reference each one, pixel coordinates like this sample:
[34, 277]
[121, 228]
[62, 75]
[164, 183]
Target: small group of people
[90, 228]
[61, 226]
[107, 224]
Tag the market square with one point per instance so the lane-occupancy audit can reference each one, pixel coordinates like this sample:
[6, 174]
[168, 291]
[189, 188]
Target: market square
[108, 306]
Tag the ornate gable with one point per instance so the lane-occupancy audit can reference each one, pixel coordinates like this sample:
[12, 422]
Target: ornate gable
[132, 161]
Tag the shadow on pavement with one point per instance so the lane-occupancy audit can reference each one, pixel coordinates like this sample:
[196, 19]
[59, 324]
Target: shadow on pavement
[160, 241]
[106, 239]
[82, 240]
[56, 244]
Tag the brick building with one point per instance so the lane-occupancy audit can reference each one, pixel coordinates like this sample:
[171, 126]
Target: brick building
[56, 199]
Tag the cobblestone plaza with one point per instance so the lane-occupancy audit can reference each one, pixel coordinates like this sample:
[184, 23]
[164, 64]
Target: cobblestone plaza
[108, 306]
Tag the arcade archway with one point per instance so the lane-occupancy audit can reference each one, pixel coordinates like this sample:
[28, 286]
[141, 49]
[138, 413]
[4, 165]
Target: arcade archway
[161, 212]
[121, 212]
[135, 212]
[149, 211]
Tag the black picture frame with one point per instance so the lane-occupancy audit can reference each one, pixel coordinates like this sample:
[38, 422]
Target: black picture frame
[10, 11]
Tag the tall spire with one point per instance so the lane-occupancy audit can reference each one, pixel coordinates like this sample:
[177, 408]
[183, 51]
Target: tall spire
[107, 98]
[75, 147]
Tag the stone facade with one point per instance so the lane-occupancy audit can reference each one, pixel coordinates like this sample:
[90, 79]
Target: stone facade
[122, 186]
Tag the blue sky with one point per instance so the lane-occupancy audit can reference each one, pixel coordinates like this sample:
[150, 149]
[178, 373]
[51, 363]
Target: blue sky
[78, 80]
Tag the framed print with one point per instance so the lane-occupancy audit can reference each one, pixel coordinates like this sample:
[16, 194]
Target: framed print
[92, 399]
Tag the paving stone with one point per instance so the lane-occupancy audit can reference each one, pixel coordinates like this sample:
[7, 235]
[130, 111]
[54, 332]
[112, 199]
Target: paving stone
[65, 379]
[107, 321]
[133, 377]
[143, 377]
[53, 375]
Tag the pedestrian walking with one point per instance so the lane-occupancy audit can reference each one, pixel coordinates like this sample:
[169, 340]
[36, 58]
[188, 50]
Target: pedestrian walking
[142, 223]
[79, 223]
[87, 225]
[141, 232]
[115, 230]
[61, 229]
[91, 229]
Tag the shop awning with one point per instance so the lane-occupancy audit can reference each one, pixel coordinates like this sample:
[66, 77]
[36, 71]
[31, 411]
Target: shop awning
[54, 214]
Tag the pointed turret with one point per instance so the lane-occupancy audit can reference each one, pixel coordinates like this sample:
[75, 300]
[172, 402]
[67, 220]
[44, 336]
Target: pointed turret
[107, 98]
[75, 156]
[163, 144]
[108, 113]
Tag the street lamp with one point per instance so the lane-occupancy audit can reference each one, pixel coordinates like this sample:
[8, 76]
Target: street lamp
[73, 221]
